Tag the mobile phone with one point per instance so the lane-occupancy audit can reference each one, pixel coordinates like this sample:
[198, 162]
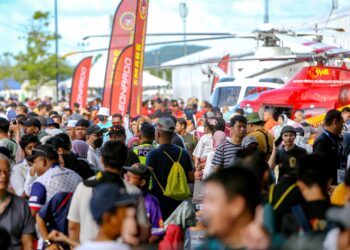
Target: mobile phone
[278, 141]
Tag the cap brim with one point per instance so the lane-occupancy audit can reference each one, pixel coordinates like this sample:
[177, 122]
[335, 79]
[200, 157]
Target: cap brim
[32, 157]
[133, 170]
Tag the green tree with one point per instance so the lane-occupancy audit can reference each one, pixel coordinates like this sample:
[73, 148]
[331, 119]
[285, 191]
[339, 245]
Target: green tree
[37, 61]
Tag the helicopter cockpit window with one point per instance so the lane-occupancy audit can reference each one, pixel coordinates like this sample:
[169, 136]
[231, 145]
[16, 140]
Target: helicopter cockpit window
[253, 90]
[225, 96]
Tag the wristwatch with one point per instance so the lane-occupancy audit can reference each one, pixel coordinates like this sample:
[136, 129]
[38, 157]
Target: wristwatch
[47, 243]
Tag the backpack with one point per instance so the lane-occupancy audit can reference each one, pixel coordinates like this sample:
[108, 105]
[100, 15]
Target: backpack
[177, 187]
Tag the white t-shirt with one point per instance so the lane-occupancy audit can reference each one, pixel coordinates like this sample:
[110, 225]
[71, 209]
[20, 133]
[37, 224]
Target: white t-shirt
[18, 176]
[204, 146]
[79, 210]
[94, 159]
[102, 245]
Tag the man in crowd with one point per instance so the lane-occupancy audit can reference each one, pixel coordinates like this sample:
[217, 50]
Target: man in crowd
[287, 155]
[5, 141]
[103, 115]
[162, 159]
[117, 133]
[226, 152]
[189, 139]
[345, 113]
[139, 175]
[80, 129]
[329, 144]
[299, 118]
[229, 207]
[94, 137]
[15, 214]
[117, 119]
[82, 227]
[71, 130]
[52, 179]
[20, 171]
[268, 119]
[147, 132]
[255, 128]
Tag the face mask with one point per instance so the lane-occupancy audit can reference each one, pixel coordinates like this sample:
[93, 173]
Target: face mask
[98, 142]
[101, 118]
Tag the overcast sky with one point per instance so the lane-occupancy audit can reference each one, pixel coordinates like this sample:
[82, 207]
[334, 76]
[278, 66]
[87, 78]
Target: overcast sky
[79, 18]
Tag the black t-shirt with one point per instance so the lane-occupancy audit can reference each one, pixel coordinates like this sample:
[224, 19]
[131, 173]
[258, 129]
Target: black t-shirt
[330, 146]
[161, 165]
[288, 159]
[293, 198]
[315, 212]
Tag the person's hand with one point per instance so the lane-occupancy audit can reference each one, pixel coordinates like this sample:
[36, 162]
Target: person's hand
[14, 127]
[32, 170]
[57, 236]
[130, 229]
[54, 246]
[256, 237]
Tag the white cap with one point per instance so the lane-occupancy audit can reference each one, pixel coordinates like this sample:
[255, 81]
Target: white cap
[71, 123]
[103, 111]
[4, 116]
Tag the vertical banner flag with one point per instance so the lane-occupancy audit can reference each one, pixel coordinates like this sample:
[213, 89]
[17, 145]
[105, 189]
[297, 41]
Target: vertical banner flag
[80, 82]
[126, 89]
[223, 64]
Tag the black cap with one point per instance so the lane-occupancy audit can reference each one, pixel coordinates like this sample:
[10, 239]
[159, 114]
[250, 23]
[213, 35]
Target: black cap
[288, 129]
[94, 129]
[82, 123]
[45, 151]
[139, 169]
[117, 130]
[32, 122]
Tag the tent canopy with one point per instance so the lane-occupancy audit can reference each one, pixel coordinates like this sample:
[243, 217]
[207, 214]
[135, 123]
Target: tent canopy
[9, 84]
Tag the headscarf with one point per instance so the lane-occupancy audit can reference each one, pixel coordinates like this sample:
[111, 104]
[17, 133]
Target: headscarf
[218, 138]
[80, 148]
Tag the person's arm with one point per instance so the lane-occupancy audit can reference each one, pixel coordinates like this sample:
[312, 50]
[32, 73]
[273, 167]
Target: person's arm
[57, 236]
[37, 197]
[272, 160]
[42, 227]
[74, 231]
[27, 241]
[73, 216]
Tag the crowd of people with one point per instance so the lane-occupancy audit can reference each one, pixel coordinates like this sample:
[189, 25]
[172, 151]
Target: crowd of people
[82, 178]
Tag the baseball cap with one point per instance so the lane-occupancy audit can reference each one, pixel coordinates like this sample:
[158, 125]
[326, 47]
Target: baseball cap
[253, 117]
[139, 169]
[340, 215]
[116, 129]
[288, 129]
[82, 123]
[51, 121]
[248, 140]
[45, 151]
[32, 122]
[94, 129]
[76, 116]
[103, 111]
[166, 124]
[107, 196]
[72, 123]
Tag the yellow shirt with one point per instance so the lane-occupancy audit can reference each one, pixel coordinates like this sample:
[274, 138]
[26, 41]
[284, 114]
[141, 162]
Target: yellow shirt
[260, 137]
[339, 195]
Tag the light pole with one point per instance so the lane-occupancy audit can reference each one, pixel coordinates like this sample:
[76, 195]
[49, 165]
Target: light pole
[183, 15]
[56, 46]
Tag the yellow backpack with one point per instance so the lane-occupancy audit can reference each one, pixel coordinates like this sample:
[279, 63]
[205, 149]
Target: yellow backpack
[177, 187]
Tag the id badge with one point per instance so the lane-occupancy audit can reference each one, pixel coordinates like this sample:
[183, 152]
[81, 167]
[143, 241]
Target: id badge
[340, 175]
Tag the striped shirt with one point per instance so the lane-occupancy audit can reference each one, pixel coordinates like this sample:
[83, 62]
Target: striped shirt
[224, 153]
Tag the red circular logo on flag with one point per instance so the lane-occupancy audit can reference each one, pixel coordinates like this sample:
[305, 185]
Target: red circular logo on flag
[127, 21]
[143, 9]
